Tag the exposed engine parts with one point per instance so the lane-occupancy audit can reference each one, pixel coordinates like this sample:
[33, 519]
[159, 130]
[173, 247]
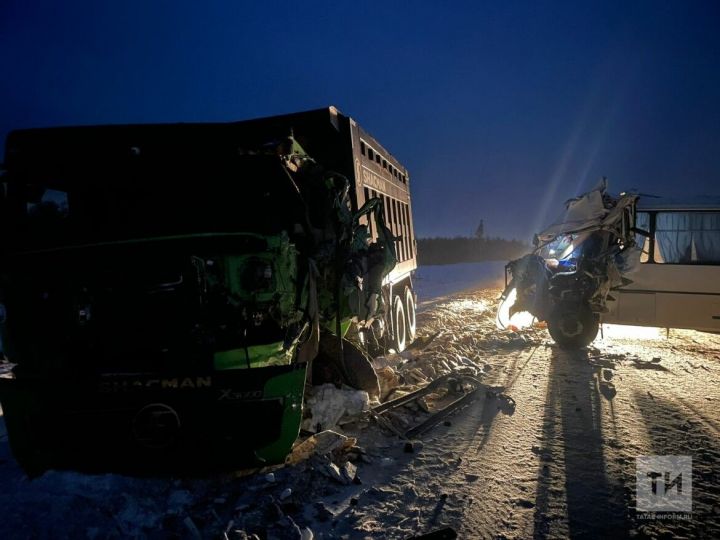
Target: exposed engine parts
[566, 281]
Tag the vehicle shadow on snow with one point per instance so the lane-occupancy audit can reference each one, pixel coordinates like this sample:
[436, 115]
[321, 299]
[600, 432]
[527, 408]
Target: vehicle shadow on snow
[674, 430]
[576, 496]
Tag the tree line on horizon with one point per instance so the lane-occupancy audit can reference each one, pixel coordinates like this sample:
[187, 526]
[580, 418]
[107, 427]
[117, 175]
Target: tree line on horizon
[441, 250]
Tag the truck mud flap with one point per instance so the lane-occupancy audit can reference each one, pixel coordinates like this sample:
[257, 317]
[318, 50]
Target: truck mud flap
[155, 424]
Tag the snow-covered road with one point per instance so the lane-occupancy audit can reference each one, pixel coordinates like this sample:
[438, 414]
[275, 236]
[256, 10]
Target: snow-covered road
[561, 463]
[436, 282]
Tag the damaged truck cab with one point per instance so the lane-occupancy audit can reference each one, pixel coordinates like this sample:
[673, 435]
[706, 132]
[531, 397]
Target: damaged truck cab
[165, 288]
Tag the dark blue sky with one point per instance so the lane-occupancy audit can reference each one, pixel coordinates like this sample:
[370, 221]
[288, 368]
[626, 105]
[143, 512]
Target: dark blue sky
[500, 110]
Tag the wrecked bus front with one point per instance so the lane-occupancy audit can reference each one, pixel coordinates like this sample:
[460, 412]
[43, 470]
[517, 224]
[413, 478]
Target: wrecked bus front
[578, 260]
[155, 301]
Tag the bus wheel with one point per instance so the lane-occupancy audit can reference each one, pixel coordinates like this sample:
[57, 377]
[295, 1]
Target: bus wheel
[410, 314]
[399, 325]
[573, 327]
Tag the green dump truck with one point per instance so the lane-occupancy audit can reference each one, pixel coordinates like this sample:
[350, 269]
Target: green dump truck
[167, 291]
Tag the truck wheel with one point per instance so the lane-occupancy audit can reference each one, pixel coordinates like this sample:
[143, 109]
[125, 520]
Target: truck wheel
[410, 314]
[399, 325]
[573, 327]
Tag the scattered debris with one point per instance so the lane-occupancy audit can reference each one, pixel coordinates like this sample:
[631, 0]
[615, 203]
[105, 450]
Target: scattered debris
[332, 471]
[317, 486]
[327, 405]
[653, 364]
[348, 472]
[413, 447]
[466, 386]
[344, 474]
[325, 442]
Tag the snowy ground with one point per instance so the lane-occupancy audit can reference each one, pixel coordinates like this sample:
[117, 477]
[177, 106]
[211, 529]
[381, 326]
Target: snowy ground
[561, 463]
[437, 282]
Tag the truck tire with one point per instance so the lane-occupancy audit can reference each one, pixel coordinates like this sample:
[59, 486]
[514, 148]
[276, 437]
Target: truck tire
[399, 325]
[410, 315]
[573, 327]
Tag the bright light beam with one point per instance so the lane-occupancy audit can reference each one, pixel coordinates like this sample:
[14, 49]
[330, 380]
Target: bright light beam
[518, 321]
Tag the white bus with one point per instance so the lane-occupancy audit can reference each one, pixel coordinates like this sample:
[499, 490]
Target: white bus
[677, 284]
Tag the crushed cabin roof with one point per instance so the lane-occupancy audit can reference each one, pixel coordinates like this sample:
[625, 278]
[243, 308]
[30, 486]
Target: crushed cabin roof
[593, 210]
[701, 202]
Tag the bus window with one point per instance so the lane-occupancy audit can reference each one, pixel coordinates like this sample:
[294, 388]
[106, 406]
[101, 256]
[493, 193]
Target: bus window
[687, 238]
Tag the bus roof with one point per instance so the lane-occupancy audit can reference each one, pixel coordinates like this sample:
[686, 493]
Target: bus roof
[700, 202]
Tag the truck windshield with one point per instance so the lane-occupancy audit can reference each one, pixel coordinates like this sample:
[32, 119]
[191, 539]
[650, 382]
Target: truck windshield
[78, 206]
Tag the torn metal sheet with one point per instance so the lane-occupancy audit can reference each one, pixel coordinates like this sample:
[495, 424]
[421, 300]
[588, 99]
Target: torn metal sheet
[470, 388]
[566, 281]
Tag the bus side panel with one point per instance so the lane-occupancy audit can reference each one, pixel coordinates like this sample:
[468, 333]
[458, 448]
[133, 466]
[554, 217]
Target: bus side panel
[698, 311]
[682, 278]
[670, 295]
[635, 308]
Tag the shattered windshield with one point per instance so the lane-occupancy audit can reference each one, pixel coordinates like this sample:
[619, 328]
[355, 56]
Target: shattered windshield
[560, 248]
[90, 205]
